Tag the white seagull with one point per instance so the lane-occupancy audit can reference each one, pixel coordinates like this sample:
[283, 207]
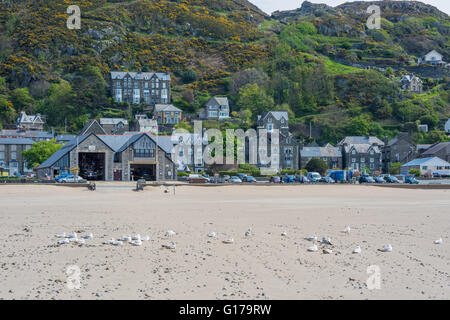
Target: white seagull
[63, 241]
[311, 238]
[61, 235]
[117, 243]
[327, 251]
[136, 242]
[72, 235]
[212, 234]
[386, 248]
[438, 241]
[146, 238]
[284, 234]
[80, 241]
[170, 233]
[326, 240]
[229, 240]
[126, 238]
[88, 236]
[347, 229]
[170, 246]
[357, 250]
[313, 248]
[137, 237]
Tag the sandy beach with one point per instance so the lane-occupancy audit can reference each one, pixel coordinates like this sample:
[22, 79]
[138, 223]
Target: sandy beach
[264, 265]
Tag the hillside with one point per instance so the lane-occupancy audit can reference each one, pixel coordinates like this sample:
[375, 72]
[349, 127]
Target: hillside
[310, 61]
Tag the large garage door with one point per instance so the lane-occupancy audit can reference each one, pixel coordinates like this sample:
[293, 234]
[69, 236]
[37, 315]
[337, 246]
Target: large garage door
[143, 171]
[92, 166]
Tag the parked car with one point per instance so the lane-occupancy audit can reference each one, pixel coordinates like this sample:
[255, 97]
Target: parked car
[379, 180]
[241, 175]
[326, 180]
[275, 179]
[301, 179]
[249, 179]
[366, 179]
[235, 179]
[288, 179]
[62, 176]
[313, 176]
[72, 179]
[411, 180]
[391, 179]
[226, 178]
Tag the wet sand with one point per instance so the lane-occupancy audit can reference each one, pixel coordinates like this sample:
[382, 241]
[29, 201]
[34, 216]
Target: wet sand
[264, 265]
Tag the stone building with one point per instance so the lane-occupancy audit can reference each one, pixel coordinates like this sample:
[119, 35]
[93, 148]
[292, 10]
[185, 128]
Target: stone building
[328, 153]
[30, 122]
[287, 146]
[167, 114]
[362, 152]
[149, 88]
[217, 108]
[114, 157]
[11, 159]
[412, 83]
[399, 149]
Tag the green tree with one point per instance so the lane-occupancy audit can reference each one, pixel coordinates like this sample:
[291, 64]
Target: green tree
[358, 126]
[316, 165]
[21, 99]
[60, 104]
[39, 152]
[252, 97]
[7, 112]
[395, 168]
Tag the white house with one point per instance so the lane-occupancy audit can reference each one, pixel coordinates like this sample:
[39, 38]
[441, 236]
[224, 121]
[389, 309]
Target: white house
[447, 126]
[432, 57]
[431, 165]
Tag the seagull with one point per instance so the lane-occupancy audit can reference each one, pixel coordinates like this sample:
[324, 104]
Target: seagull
[314, 248]
[438, 241]
[327, 251]
[72, 235]
[111, 241]
[73, 239]
[386, 248]
[212, 234]
[80, 241]
[61, 235]
[63, 241]
[136, 242]
[347, 229]
[126, 238]
[326, 240]
[170, 246]
[117, 243]
[312, 238]
[229, 240]
[170, 233]
[248, 232]
[88, 236]
[137, 237]
[146, 238]
[357, 250]
[284, 234]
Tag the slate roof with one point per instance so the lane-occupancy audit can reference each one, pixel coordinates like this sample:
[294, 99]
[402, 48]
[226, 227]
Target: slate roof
[321, 152]
[430, 161]
[16, 141]
[361, 140]
[113, 121]
[436, 148]
[65, 149]
[140, 75]
[166, 108]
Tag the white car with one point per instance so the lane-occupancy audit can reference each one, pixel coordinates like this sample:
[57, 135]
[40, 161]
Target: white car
[235, 179]
[72, 179]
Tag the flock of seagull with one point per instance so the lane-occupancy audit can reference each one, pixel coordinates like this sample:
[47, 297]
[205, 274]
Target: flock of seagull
[136, 240]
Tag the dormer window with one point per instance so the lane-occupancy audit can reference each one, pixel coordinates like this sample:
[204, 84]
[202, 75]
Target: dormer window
[353, 151]
[269, 120]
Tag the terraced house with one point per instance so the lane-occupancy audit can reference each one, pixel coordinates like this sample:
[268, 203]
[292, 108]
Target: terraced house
[11, 159]
[328, 153]
[361, 153]
[149, 88]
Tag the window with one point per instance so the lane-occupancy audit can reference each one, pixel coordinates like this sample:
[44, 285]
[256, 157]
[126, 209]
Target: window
[353, 152]
[2, 147]
[353, 160]
[372, 166]
[145, 153]
[13, 147]
[363, 160]
[118, 84]
[136, 85]
[372, 160]
[13, 156]
[425, 167]
[439, 168]
[269, 127]
[146, 85]
[269, 120]
[371, 152]
[2, 156]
